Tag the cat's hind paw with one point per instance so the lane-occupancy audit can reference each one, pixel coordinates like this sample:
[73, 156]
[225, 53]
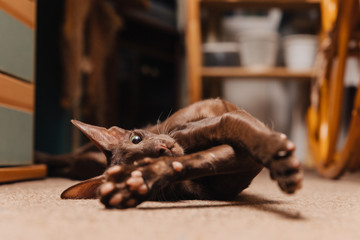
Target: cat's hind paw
[287, 172]
[278, 155]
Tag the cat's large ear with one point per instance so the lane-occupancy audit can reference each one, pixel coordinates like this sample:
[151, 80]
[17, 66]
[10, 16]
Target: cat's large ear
[106, 140]
[83, 190]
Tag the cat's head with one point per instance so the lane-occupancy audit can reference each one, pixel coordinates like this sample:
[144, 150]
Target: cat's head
[120, 147]
[125, 147]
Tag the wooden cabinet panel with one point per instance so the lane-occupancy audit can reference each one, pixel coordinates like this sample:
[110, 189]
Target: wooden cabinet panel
[16, 141]
[16, 48]
[17, 89]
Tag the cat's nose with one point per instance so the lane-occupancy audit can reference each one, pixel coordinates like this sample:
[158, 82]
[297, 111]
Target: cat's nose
[162, 149]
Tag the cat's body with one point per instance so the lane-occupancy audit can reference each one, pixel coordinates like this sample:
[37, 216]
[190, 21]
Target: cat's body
[208, 150]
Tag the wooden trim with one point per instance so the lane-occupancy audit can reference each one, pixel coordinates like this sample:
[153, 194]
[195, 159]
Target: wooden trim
[17, 94]
[261, 4]
[289, 2]
[22, 10]
[241, 72]
[336, 84]
[11, 174]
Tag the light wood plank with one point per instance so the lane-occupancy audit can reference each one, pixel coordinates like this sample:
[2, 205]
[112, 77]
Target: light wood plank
[16, 94]
[22, 10]
[11, 174]
[258, 4]
[241, 72]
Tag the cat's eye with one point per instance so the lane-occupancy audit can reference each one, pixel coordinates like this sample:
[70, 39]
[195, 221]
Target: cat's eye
[135, 139]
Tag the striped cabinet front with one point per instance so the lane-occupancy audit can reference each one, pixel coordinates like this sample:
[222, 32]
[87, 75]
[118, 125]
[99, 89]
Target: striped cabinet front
[17, 57]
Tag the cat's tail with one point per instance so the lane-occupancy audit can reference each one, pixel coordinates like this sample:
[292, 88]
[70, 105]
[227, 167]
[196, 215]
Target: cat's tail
[78, 165]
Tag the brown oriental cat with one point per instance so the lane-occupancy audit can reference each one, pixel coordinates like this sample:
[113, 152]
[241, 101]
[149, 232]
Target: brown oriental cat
[208, 150]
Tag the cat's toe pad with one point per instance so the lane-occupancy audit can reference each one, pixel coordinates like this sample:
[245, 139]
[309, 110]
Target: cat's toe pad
[116, 199]
[136, 183]
[286, 151]
[114, 170]
[106, 188]
[177, 166]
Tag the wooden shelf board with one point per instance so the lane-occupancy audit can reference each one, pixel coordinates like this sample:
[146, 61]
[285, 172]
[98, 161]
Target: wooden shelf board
[11, 174]
[16, 93]
[241, 72]
[231, 4]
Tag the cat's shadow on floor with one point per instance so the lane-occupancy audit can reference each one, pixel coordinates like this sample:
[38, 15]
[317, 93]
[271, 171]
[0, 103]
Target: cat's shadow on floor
[249, 200]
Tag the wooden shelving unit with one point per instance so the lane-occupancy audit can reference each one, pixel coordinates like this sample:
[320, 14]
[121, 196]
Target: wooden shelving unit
[260, 4]
[276, 72]
[195, 70]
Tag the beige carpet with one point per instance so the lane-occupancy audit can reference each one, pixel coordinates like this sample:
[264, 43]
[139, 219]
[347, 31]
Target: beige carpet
[323, 209]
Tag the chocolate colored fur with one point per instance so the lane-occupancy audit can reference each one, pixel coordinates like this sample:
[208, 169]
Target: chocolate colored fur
[208, 150]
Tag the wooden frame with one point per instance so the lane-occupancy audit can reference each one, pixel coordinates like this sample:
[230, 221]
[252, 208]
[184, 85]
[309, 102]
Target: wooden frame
[324, 117]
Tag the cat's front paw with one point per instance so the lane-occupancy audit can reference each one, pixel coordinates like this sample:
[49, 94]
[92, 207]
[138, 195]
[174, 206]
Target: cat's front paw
[124, 188]
[127, 187]
[287, 172]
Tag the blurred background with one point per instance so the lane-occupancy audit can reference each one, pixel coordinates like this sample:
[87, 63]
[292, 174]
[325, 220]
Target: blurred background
[144, 67]
[132, 63]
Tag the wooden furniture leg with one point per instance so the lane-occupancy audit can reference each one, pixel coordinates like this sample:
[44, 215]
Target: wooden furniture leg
[352, 150]
[337, 79]
[324, 122]
[193, 50]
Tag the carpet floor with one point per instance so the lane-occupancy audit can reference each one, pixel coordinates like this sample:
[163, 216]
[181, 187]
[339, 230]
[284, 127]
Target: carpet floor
[323, 209]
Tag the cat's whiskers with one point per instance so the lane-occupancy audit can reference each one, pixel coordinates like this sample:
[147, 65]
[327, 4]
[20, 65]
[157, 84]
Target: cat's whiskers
[172, 132]
[167, 128]
[271, 124]
[166, 125]
[158, 128]
[158, 123]
[168, 114]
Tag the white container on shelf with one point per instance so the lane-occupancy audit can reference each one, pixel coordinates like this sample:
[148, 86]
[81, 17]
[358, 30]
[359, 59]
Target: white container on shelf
[258, 50]
[300, 51]
[240, 22]
[266, 99]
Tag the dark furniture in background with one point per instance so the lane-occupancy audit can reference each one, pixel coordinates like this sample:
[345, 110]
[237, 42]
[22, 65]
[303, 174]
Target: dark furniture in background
[142, 72]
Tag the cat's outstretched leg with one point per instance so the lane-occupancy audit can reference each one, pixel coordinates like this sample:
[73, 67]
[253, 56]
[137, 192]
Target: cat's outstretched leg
[242, 131]
[127, 186]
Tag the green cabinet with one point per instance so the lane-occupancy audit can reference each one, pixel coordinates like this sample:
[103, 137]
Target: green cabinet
[16, 137]
[16, 48]
[17, 60]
